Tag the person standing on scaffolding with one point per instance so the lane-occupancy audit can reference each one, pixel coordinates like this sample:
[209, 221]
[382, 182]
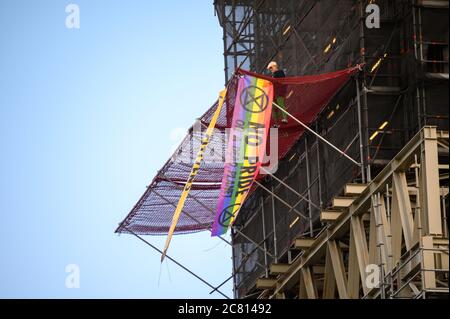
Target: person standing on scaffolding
[279, 93]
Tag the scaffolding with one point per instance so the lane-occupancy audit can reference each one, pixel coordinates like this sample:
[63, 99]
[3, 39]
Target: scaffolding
[402, 88]
[397, 223]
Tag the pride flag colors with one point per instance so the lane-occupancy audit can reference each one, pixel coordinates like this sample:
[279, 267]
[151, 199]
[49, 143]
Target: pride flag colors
[245, 149]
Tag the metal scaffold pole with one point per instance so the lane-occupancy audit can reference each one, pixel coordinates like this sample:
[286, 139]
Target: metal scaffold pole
[316, 134]
[177, 263]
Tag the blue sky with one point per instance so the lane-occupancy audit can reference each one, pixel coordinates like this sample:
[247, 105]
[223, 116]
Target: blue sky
[86, 119]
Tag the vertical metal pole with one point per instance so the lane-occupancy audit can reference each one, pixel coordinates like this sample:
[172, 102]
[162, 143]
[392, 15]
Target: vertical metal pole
[390, 256]
[416, 211]
[380, 244]
[274, 221]
[361, 143]
[308, 182]
[376, 199]
[422, 64]
[420, 36]
[264, 236]
[256, 42]
[235, 292]
[366, 128]
[444, 214]
[225, 46]
[318, 167]
[424, 106]
[413, 8]
[235, 34]
[419, 112]
[416, 171]
[416, 55]
[365, 115]
[388, 205]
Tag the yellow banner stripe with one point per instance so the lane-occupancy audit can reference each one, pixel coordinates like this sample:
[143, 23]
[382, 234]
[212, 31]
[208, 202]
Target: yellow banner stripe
[193, 173]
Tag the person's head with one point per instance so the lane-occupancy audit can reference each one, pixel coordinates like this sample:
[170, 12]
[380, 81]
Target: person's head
[273, 67]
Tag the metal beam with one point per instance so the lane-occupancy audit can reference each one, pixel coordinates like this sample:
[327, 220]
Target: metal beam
[353, 282]
[401, 162]
[265, 283]
[354, 189]
[337, 263]
[401, 206]
[276, 269]
[329, 216]
[308, 280]
[430, 201]
[329, 285]
[362, 253]
[342, 202]
[303, 243]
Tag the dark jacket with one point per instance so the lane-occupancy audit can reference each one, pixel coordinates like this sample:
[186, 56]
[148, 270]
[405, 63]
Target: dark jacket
[279, 74]
[279, 89]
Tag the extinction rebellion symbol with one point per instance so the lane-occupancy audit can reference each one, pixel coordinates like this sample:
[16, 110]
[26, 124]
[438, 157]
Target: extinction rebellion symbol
[226, 215]
[254, 99]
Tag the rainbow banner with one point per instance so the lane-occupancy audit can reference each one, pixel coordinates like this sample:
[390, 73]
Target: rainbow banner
[246, 148]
